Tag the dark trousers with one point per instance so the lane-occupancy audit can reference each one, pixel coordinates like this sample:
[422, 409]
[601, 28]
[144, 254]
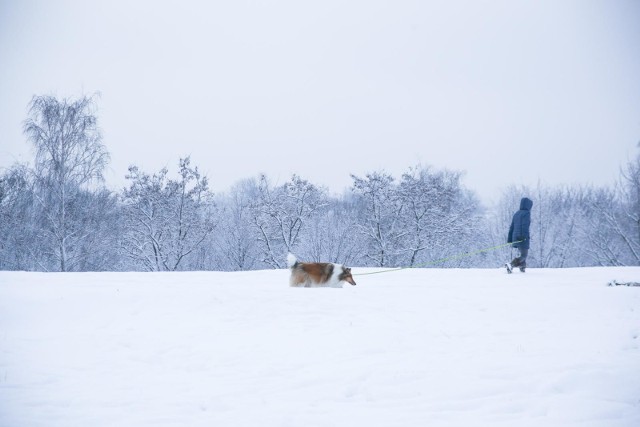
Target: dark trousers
[521, 260]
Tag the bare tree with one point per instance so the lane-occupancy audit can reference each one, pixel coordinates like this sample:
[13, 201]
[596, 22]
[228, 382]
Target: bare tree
[69, 158]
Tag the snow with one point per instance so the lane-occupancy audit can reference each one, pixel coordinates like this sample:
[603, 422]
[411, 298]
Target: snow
[423, 347]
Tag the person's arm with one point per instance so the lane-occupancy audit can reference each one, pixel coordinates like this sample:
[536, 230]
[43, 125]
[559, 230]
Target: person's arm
[526, 222]
[510, 236]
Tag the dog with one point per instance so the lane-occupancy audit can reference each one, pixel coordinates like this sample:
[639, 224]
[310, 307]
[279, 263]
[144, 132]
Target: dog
[318, 274]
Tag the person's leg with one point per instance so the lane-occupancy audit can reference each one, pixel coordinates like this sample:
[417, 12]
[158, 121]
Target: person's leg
[522, 259]
[516, 261]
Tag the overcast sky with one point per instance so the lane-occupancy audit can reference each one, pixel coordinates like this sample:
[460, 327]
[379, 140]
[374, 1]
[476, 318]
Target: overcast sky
[511, 92]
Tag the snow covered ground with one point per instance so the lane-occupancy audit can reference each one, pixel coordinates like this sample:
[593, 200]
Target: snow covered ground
[411, 348]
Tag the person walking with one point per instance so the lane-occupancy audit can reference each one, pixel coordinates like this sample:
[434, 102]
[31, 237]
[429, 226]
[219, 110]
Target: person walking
[519, 235]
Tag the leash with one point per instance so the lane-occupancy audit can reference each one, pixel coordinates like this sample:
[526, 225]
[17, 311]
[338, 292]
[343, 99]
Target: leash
[438, 261]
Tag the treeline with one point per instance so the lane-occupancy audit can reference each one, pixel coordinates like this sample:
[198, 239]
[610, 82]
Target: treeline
[59, 216]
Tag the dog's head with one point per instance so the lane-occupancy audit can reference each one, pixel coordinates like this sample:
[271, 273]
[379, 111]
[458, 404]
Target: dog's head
[346, 276]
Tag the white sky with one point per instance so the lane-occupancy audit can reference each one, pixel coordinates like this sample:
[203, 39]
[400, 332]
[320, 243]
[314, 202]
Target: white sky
[512, 92]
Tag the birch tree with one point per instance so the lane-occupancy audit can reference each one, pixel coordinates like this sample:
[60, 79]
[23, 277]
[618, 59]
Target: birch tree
[69, 159]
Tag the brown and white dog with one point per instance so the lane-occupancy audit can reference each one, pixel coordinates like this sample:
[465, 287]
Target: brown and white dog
[318, 274]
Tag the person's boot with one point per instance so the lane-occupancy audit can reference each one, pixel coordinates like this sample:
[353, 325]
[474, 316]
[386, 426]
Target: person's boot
[523, 266]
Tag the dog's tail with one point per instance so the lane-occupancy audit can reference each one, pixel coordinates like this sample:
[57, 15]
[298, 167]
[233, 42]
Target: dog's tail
[291, 260]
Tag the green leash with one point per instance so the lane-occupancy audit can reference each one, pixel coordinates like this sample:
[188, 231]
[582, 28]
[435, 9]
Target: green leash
[438, 261]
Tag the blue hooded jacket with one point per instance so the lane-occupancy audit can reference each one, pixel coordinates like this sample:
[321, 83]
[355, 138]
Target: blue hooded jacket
[520, 223]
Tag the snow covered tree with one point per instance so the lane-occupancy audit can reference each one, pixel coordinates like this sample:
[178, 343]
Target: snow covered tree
[437, 217]
[95, 212]
[281, 214]
[599, 228]
[556, 213]
[379, 220]
[630, 215]
[331, 237]
[234, 242]
[70, 159]
[166, 220]
[609, 221]
[18, 246]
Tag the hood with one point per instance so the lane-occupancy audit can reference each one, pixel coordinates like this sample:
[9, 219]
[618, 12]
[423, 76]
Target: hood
[526, 204]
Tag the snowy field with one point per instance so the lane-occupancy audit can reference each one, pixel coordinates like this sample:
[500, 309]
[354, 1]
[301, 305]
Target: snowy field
[410, 348]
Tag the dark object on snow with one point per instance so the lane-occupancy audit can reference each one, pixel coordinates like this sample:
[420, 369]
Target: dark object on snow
[616, 283]
[519, 229]
[519, 233]
[516, 263]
